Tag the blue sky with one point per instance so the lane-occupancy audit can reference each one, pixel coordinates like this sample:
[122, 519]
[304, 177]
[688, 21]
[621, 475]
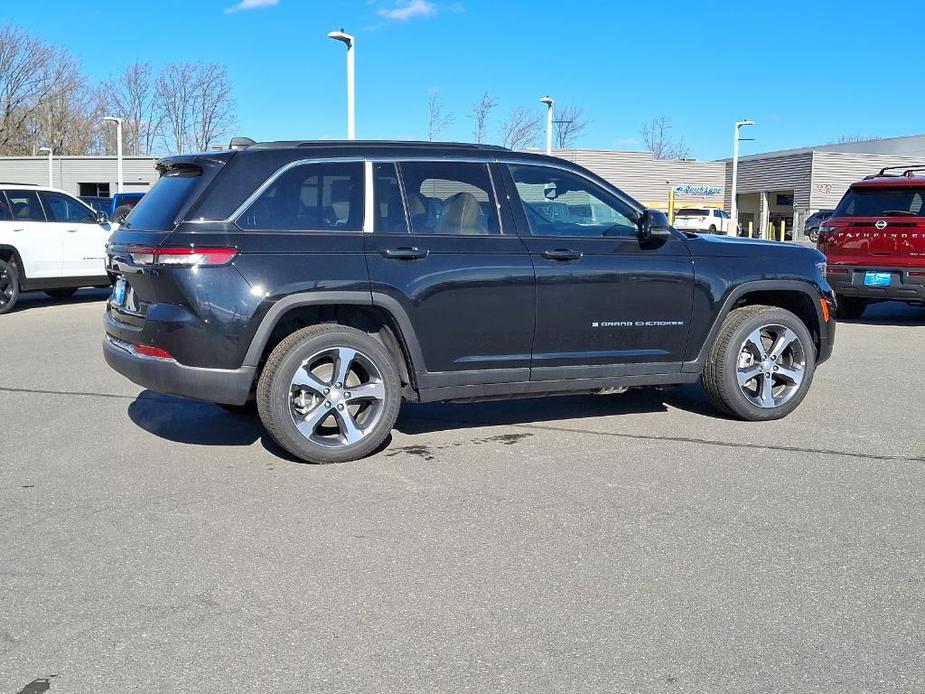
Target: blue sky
[807, 72]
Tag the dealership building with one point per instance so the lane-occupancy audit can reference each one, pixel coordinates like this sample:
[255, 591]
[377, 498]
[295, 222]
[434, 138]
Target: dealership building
[773, 188]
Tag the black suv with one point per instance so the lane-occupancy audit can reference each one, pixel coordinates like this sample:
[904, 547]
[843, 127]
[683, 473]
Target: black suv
[329, 281]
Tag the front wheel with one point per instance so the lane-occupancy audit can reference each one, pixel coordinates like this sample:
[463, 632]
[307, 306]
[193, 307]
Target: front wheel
[329, 394]
[9, 286]
[761, 364]
[813, 235]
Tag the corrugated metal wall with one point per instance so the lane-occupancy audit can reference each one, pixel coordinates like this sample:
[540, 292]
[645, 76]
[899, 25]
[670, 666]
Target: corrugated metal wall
[769, 173]
[138, 172]
[644, 177]
[833, 172]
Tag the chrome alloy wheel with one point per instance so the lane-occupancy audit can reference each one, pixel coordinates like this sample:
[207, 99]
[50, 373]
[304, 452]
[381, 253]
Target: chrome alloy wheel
[336, 397]
[771, 366]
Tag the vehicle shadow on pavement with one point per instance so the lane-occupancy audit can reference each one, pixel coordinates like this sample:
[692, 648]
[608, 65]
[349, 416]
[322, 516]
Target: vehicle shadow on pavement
[425, 418]
[190, 421]
[29, 300]
[890, 313]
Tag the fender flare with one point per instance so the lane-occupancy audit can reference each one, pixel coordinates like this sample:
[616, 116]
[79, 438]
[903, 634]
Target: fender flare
[334, 298]
[18, 258]
[809, 289]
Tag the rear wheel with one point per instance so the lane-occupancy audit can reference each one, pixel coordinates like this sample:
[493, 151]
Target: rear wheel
[328, 394]
[813, 234]
[761, 365]
[61, 293]
[9, 286]
[849, 307]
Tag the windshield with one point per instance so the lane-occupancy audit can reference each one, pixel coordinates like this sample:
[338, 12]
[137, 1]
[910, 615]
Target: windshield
[692, 212]
[882, 202]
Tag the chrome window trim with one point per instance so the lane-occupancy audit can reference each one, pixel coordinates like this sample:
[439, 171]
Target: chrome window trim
[503, 161]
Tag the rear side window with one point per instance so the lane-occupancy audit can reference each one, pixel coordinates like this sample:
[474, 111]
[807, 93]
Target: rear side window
[310, 197]
[25, 205]
[159, 208]
[61, 208]
[882, 202]
[390, 211]
[452, 198]
[5, 213]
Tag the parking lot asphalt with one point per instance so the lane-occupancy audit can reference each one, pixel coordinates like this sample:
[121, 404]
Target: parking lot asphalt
[597, 543]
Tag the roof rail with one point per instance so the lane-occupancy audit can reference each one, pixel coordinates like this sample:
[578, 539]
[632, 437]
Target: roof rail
[18, 183]
[907, 170]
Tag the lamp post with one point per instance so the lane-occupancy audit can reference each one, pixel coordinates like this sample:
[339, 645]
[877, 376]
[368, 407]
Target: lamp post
[733, 208]
[350, 42]
[549, 104]
[118, 122]
[51, 178]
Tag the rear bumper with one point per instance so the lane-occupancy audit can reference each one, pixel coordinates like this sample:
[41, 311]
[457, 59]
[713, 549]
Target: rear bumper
[903, 287]
[171, 378]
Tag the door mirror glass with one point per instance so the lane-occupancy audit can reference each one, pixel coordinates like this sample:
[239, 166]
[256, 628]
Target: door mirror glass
[102, 218]
[653, 224]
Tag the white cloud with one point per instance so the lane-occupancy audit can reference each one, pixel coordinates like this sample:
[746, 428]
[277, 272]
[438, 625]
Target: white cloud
[250, 5]
[409, 9]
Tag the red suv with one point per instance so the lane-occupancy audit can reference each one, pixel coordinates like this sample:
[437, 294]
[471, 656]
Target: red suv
[875, 242]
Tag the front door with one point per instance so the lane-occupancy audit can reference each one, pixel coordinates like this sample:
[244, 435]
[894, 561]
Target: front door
[608, 304]
[38, 243]
[457, 269]
[83, 239]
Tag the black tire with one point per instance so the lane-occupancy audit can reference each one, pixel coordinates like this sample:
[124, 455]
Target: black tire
[277, 404]
[9, 286]
[813, 234]
[849, 308]
[61, 293]
[720, 374]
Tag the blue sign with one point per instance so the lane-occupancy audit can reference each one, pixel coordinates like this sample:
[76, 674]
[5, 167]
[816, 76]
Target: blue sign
[706, 191]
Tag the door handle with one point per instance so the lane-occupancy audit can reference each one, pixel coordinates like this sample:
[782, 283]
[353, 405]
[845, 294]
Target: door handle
[405, 253]
[72, 231]
[562, 254]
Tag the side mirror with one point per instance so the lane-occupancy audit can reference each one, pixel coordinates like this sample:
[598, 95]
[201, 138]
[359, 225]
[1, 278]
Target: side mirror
[653, 225]
[102, 218]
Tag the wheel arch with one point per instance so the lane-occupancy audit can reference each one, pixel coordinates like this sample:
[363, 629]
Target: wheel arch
[8, 253]
[800, 298]
[380, 316]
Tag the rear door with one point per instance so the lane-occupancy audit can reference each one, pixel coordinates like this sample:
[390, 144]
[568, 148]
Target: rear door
[605, 299]
[877, 225]
[83, 239]
[457, 269]
[38, 243]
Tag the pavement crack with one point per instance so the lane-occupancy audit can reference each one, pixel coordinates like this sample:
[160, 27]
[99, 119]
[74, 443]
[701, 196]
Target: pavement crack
[688, 439]
[76, 393]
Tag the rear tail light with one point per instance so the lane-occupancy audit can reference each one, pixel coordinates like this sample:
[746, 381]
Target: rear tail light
[917, 274]
[182, 257]
[151, 351]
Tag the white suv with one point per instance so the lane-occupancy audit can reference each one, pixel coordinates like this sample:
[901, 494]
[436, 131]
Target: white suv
[49, 241]
[704, 219]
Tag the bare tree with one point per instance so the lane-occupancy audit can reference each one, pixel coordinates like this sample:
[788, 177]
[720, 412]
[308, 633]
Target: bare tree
[657, 138]
[569, 124]
[437, 118]
[213, 107]
[132, 96]
[27, 69]
[175, 95]
[480, 113]
[521, 129]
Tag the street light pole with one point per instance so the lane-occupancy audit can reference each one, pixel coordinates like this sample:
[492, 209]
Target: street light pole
[118, 122]
[51, 178]
[733, 208]
[549, 104]
[350, 42]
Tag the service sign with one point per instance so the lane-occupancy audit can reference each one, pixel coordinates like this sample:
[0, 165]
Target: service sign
[705, 191]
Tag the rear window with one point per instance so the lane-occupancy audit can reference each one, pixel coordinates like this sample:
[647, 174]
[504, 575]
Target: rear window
[692, 212]
[882, 202]
[159, 207]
